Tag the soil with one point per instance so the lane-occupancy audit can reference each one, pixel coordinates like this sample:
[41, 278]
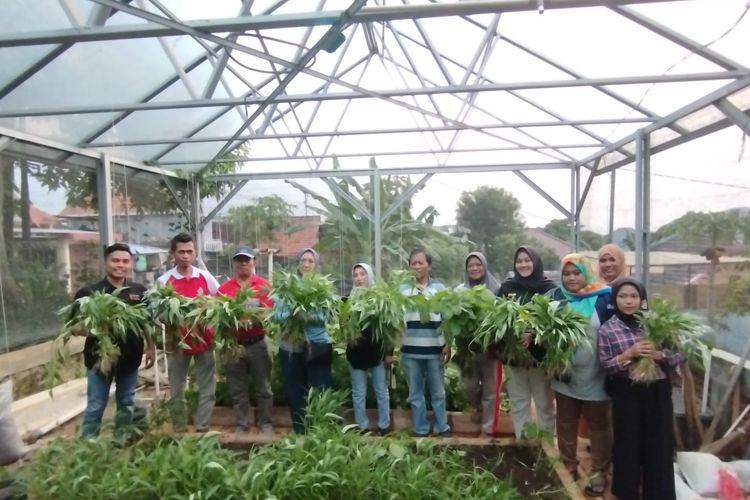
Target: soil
[526, 466]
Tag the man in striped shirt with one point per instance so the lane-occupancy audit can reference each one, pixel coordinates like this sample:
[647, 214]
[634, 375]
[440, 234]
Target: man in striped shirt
[424, 352]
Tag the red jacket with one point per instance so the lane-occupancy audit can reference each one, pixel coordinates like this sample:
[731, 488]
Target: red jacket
[191, 287]
[261, 286]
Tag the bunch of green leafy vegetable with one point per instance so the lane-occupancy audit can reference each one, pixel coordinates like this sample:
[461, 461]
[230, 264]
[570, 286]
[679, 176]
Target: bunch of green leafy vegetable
[171, 309]
[380, 308]
[557, 329]
[500, 328]
[307, 297]
[462, 311]
[668, 328]
[107, 318]
[226, 316]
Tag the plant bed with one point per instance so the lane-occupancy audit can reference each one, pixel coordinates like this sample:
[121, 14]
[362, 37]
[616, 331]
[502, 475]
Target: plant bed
[528, 467]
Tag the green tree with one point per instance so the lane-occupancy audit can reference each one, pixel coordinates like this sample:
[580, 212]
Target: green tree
[560, 228]
[492, 219]
[260, 221]
[712, 230]
[346, 236]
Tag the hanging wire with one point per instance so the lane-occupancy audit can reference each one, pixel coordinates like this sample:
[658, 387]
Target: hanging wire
[279, 40]
[686, 56]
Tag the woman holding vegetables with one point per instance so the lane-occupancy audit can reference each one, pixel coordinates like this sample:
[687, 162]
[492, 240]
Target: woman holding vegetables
[424, 351]
[526, 380]
[480, 377]
[306, 364]
[581, 391]
[366, 354]
[642, 412]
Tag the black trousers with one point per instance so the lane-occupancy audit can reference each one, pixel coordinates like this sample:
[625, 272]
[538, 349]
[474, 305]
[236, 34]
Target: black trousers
[643, 442]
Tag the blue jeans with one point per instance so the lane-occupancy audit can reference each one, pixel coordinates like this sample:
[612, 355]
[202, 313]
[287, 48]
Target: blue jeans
[299, 377]
[359, 396]
[432, 372]
[97, 395]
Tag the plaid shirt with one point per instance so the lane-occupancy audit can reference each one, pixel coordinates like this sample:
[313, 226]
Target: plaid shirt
[615, 337]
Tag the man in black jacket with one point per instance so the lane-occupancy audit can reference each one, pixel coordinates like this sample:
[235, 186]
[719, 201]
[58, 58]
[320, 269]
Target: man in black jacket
[118, 265]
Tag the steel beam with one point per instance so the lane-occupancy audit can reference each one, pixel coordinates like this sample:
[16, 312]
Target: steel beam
[344, 133]
[89, 153]
[665, 121]
[734, 114]
[368, 154]
[642, 207]
[104, 201]
[403, 196]
[231, 194]
[378, 226]
[213, 80]
[195, 211]
[5, 142]
[365, 93]
[296, 20]
[543, 193]
[357, 204]
[448, 169]
[678, 38]
[611, 221]
[335, 30]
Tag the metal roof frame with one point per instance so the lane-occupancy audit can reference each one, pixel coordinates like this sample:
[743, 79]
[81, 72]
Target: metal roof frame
[219, 38]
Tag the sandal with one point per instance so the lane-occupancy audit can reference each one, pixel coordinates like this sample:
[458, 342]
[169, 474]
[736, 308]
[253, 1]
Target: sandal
[595, 488]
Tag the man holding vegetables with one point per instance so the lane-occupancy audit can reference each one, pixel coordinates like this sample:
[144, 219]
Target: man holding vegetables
[424, 351]
[189, 281]
[118, 264]
[254, 363]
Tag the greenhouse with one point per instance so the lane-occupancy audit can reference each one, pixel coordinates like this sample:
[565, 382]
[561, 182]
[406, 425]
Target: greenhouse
[276, 203]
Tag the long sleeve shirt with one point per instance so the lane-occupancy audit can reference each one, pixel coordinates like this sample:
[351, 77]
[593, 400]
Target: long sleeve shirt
[315, 328]
[615, 337]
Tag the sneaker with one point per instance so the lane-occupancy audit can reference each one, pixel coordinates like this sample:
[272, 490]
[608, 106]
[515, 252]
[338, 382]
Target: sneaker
[241, 429]
[418, 435]
[446, 434]
[384, 432]
[266, 429]
[201, 428]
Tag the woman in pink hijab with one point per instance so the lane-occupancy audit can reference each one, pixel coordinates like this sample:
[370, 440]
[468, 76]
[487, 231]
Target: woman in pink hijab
[611, 263]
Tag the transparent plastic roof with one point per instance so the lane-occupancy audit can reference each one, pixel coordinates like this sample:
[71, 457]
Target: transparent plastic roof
[431, 84]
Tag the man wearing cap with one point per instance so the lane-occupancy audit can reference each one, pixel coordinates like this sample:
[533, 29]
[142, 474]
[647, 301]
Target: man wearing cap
[189, 281]
[254, 364]
[118, 265]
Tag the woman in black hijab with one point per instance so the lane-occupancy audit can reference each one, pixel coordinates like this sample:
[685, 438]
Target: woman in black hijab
[641, 413]
[526, 381]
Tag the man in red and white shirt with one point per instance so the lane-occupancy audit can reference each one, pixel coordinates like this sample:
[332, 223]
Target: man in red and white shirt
[255, 363]
[189, 281]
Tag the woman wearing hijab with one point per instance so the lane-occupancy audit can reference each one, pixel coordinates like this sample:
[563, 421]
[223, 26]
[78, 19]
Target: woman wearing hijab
[480, 377]
[611, 263]
[641, 413]
[581, 392]
[308, 365]
[364, 355]
[527, 381]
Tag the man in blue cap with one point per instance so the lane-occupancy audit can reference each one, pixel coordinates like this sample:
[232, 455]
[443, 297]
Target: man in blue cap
[254, 363]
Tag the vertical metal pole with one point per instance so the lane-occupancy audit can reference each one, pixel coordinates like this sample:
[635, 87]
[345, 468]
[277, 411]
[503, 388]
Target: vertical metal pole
[377, 222]
[642, 207]
[573, 206]
[646, 226]
[577, 226]
[195, 210]
[104, 201]
[611, 223]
